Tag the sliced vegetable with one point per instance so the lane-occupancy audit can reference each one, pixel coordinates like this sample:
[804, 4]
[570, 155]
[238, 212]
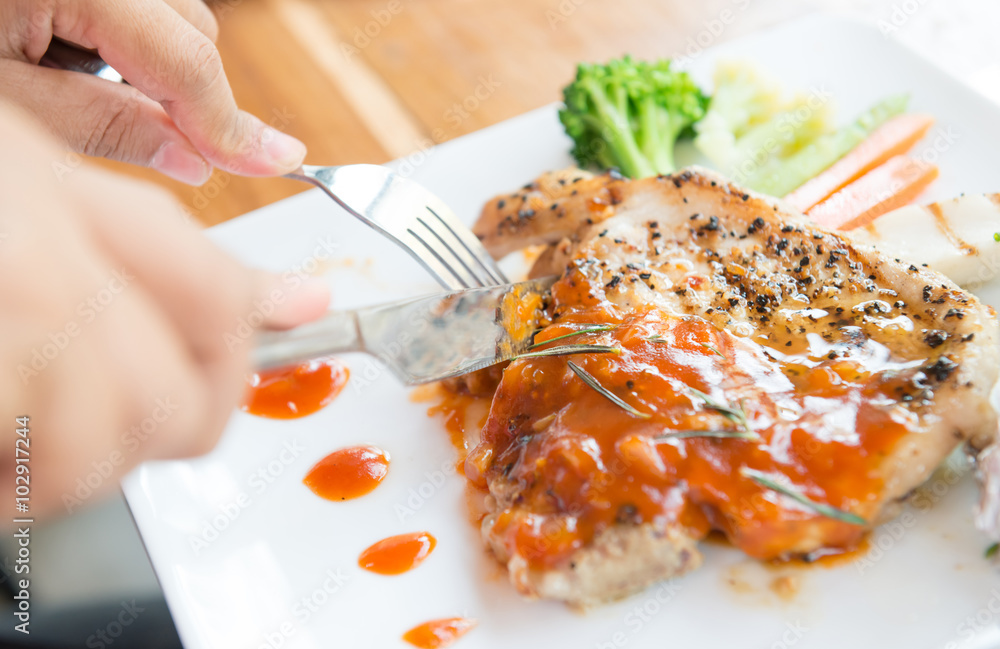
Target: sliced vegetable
[629, 114]
[895, 137]
[747, 119]
[778, 176]
[887, 187]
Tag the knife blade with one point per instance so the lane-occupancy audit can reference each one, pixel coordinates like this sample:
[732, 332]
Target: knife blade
[420, 340]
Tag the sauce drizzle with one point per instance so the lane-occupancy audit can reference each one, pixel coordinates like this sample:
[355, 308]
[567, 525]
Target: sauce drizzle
[297, 391]
[398, 554]
[439, 633]
[348, 473]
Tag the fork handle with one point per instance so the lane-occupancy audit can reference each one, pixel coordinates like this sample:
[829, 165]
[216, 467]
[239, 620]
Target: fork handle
[335, 333]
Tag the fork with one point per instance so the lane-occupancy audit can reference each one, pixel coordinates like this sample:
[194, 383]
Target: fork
[397, 207]
[411, 216]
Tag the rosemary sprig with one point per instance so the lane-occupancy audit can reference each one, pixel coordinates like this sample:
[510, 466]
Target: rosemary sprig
[722, 434]
[820, 508]
[591, 382]
[713, 348]
[588, 330]
[657, 339]
[736, 415]
[992, 551]
[563, 350]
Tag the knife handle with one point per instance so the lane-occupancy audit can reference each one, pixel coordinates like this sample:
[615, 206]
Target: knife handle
[335, 333]
[64, 56]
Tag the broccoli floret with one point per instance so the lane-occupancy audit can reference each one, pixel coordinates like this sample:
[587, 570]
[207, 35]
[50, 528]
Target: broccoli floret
[628, 114]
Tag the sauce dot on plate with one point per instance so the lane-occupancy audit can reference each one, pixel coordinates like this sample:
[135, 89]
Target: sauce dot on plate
[297, 391]
[348, 473]
[397, 554]
[438, 633]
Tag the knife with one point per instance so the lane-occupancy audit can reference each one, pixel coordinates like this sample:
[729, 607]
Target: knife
[420, 340]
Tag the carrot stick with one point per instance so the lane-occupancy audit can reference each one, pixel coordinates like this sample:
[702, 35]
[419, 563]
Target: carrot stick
[894, 137]
[893, 184]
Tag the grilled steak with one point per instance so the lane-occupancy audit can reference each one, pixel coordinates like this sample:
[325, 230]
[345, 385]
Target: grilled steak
[752, 374]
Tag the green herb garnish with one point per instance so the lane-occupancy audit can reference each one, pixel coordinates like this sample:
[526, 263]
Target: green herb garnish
[713, 348]
[992, 551]
[564, 350]
[604, 392]
[820, 508]
[723, 434]
[592, 329]
[657, 339]
[736, 415]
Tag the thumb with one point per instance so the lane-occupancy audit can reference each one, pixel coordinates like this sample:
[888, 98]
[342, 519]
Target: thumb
[98, 118]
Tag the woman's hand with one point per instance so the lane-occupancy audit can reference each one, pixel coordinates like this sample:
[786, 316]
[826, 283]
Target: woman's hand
[115, 315]
[178, 114]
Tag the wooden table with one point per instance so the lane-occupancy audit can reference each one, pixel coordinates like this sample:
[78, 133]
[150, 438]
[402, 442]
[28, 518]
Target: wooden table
[373, 80]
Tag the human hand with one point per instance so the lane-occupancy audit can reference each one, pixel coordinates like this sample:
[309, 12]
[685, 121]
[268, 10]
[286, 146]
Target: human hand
[178, 115]
[114, 311]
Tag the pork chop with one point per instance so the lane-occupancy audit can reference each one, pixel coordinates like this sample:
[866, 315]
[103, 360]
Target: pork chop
[754, 374]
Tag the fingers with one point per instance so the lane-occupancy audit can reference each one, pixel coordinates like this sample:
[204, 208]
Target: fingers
[165, 57]
[206, 292]
[104, 119]
[213, 302]
[87, 354]
[28, 24]
[199, 15]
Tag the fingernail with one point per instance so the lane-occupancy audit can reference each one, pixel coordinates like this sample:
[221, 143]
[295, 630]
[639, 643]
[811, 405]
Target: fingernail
[284, 151]
[298, 303]
[181, 163]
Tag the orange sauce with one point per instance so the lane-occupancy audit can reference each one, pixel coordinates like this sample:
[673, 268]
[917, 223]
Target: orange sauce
[830, 558]
[293, 392]
[439, 633]
[348, 473]
[397, 554]
[822, 426]
[463, 414]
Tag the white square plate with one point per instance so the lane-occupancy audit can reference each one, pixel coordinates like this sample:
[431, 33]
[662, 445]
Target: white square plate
[277, 566]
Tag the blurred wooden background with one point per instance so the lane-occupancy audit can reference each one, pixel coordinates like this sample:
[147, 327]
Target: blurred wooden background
[373, 80]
